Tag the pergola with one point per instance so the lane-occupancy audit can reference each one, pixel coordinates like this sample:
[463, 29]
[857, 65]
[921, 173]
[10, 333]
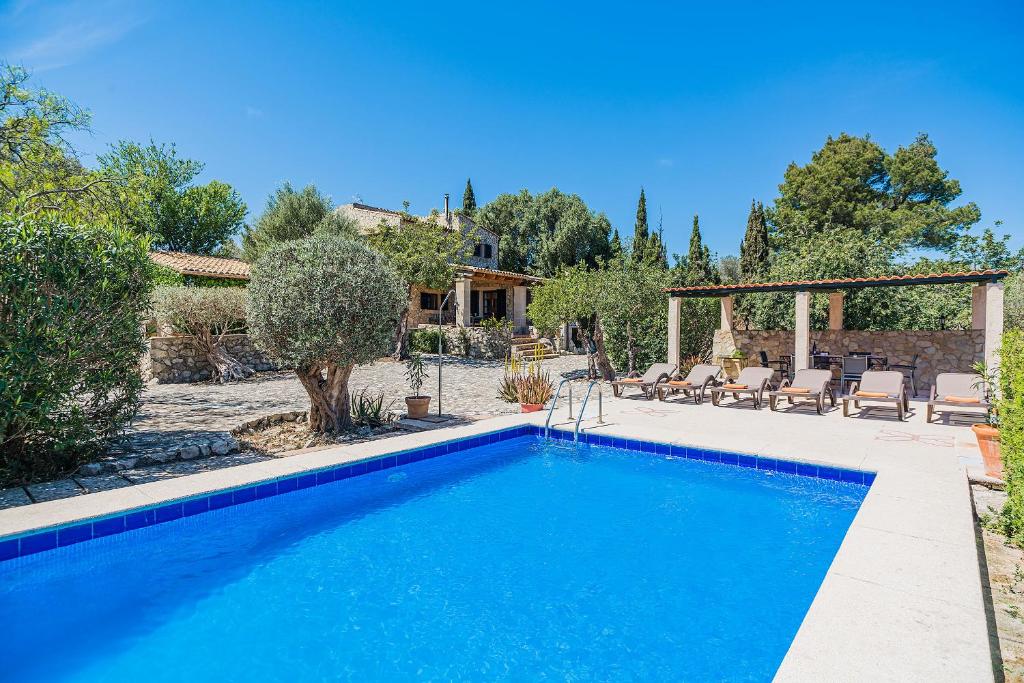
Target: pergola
[986, 305]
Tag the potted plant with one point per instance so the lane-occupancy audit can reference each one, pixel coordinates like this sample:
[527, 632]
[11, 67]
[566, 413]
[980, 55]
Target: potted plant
[530, 389]
[987, 432]
[734, 363]
[416, 405]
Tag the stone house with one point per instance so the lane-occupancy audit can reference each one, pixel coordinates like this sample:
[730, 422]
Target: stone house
[481, 290]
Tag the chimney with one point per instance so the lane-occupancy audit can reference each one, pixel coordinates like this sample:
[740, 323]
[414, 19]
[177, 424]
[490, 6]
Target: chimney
[447, 213]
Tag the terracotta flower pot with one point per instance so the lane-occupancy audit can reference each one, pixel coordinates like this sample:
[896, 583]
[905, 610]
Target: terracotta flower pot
[530, 407]
[988, 442]
[417, 406]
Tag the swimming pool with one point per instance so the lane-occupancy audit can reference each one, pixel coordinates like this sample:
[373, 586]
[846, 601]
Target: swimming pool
[512, 556]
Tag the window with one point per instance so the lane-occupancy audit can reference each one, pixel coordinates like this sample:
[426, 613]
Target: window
[487, 251]
[428, 301]
[478, 249]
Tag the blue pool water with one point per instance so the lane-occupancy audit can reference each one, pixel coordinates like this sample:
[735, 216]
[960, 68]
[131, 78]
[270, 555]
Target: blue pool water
[526, 559]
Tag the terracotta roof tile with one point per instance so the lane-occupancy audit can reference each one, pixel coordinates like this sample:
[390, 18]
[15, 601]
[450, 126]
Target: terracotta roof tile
[852, 282]
[195, 264]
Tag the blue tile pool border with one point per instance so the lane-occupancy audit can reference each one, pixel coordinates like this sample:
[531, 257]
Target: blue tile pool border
[37, 541]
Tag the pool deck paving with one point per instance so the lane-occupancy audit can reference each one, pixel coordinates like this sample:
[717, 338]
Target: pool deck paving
[903, 599]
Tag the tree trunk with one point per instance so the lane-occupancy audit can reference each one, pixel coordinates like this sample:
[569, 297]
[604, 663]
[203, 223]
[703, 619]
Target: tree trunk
[329, 400]
[226, 368]
[630, 348]
[401, 351]
[604, 365]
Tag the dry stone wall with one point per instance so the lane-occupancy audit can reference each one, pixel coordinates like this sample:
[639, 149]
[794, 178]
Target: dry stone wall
[937, 350]
[176, 360]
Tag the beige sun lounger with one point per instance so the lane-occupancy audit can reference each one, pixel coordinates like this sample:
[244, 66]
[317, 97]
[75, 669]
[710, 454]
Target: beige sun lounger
[962, 393]
[751, 385]
[813, 385]
[657, 373]
[878, 386]
[695, 384]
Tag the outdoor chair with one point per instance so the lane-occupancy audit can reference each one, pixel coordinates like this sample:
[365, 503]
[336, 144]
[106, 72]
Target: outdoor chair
[854, 366]
[694, 385]
[751, 385]
[911, 369]
[961, 393]
[780, 364]
[659, 372]
[807, 385]
[882, 386]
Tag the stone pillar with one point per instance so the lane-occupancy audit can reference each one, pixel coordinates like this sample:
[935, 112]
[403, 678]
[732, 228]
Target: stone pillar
[463, 312]
[519, 308]
[802, 331]
[835, 310]
[993, 325]
[726, 306]
[675, 308]
[978, 306]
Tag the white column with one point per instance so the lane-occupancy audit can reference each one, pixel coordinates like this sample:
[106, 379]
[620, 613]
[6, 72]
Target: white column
[978, 306]
[993, 324]
[675, 308]
[463, 287]
[519, 308]
[835, 310]
[726, 306]
[802, 331]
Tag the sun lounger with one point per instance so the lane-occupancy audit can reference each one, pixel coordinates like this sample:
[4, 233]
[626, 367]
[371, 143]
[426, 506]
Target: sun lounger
[657, 373]
[750, 385]
[878, 386]
[961, 393]
[695, 384]
[807, 385]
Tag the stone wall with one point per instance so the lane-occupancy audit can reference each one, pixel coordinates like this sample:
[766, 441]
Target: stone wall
[938, 350]
[483, 343]
[175, 360]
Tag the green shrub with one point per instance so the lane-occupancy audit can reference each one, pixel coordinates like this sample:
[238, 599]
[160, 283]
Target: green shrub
[71, 303]
[425, 341]
[1010, 408]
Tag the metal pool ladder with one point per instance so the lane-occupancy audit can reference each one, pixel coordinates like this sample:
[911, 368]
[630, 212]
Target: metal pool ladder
[554, 402]
[583, 407]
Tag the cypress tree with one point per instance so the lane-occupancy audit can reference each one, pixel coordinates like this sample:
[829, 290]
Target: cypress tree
[754, 248]
[640, 232]
[699, 269]
[615, 244]
[656, 251]
[468, 199]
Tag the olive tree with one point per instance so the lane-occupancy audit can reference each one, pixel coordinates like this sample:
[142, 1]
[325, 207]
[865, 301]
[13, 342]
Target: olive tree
[208, 314]
[323, 305]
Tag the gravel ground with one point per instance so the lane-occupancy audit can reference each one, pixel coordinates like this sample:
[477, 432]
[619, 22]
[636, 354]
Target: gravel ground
[182, 419]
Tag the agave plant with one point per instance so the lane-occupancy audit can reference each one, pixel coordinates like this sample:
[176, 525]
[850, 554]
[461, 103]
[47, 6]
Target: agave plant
[370, 409]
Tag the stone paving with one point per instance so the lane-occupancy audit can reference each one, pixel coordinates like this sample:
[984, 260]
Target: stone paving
[185, 428]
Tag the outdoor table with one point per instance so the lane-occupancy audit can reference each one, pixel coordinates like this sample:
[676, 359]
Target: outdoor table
[827, 359]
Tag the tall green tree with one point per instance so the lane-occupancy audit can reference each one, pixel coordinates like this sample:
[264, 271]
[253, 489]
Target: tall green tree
[542, 234]
[640, 229]
[754, 250]
[291, 215]
[155, 196]
[851, 183]
[468, 199]
[630, 302]
[615, 244]
[700, 269]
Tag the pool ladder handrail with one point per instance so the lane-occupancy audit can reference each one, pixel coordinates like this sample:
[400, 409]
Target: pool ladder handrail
[554, 402]
[583, 407]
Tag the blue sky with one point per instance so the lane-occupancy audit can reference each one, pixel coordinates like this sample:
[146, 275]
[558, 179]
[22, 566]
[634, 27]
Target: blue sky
[702, 106]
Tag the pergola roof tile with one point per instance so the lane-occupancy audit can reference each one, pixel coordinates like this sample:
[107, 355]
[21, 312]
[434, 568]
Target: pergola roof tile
[840, 283]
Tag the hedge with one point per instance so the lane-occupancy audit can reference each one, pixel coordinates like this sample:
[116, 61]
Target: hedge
[425, 341]
[71, 302]
[1010, 409]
